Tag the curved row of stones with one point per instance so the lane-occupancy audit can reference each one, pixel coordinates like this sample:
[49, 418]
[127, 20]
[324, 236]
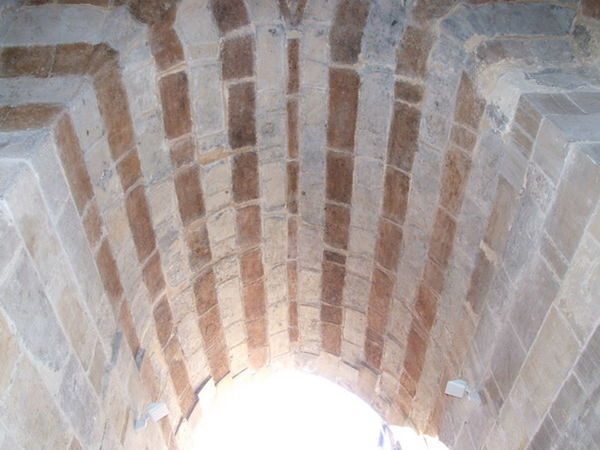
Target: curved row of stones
[377, 192]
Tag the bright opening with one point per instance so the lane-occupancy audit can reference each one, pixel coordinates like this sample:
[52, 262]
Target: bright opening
[295, 411]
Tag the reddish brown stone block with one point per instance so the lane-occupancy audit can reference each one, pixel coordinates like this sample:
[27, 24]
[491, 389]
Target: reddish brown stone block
[242, 123]
[237, 55]
[198, 245]
[373, 354]
[292, 128]
[395, 195]
[153, 276]
[218, 360]
[72, 59]
[293, 54]
[408, 384]
[426, 307]
[469, 106]
[332, 338]
[165, 45]
[343, 104]
[183, 152]
[126, 322]
[245, 177]
[347, 30]
[292, 238]
[292, 187]
[408, 92]
[257, 333]
[339, 177]
[415, 355]
[457, 167]
[140, 222]
[442, 238]
[433, 277]
[402, 143]
[104, 59]
[388, 245]
[294, 334]
[163, 320]
[258, 357]
[174, 95]
[333, 283]
[527, 117]
[591, 8]
[376, 323]
[28, 117]
[501, 217]
[177, 369]
[205, 292]
[73, 163]
[26, 61]
[129, 169]
[293, 314]
[381, 292]
[107, 267]
[189, 194]
[335, 257]
[463, 138]
[521, 141]
[248, 226]
[429, 10]
[331, 314]
[254, 300]
[210, 326]
[481, 279]
[114, 108]
[415, 46]
[337, 224]
[92, 224]
[292, 274]
[229, 14]
[251, 266]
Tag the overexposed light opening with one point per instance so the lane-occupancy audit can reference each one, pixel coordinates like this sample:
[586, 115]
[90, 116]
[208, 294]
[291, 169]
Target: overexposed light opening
[291, 410]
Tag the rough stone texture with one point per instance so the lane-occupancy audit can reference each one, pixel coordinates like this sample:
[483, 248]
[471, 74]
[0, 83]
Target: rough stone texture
[390, 194]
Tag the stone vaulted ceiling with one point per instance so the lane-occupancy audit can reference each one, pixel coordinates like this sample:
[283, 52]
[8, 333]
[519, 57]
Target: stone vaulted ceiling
[359, 188]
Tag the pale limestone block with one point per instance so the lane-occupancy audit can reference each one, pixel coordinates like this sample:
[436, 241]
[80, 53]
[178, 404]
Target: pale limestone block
[260, 12]
[356, 292]
[103, 175]
[223, 248]
[352, 354]
[355, 326]
[270, 53]
[365, 208]
[362, 242]
[140, 86]
[164, 209]
[208, 98]
[122, 31]
[359, 265]
[309, 286]
[382, 31]
[221, 226]
[279, 344]
[275, 239]
[28, 389]
[238, 358]
[230, 302]
[25, 90]
[10, 241]
[49, 25]
[154, 156]
[310, 248]
[273, 185]
[309, 323]
[577, 298]
[174, 258]
[276, 284]
[194, 23]
[278, 317]
[10, 350]
[226, 269]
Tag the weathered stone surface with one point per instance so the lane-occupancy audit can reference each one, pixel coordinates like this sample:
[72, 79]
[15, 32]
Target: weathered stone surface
[27, 306]
[174, 94]
[343, 104]
[347, 30]
[238, 58]
[242, 123]
[29, 406]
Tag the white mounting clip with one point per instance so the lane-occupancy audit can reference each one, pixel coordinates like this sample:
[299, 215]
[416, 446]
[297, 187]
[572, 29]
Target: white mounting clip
[155, 411]
[458, 389]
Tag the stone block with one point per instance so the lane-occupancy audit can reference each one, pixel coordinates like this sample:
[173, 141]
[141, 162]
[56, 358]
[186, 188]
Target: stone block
[576, 197]
[550, 149]
[29, 406]
[28, 308]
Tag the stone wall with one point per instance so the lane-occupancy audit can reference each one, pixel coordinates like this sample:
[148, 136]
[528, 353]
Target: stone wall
[389, 195]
